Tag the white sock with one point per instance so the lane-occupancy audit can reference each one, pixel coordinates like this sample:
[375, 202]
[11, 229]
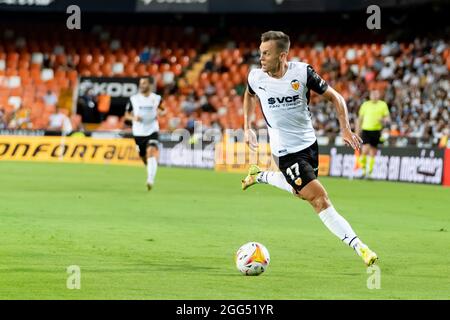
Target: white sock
[152, 166]
[275, 179]
[341, 228]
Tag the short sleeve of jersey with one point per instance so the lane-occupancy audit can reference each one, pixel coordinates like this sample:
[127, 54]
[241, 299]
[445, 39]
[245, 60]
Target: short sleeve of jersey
[129, 106]
[251, 82]
[314, 82]
[158, 100]
[385, 110]
[362, 109]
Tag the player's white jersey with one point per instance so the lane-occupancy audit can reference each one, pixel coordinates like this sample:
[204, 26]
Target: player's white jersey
[147, 109]
[284, 105]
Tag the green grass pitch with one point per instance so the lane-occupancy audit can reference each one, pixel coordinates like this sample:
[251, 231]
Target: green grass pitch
[178, 241]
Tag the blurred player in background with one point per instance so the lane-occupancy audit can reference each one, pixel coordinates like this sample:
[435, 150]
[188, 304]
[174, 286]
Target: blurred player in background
[283, 88]
[142, 110]
[373, 115]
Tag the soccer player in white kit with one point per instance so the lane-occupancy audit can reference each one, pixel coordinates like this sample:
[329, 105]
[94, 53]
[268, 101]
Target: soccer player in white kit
[283, 89]
[143, 109]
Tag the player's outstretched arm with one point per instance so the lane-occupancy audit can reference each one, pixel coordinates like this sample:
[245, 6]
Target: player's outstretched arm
[349, 137]
[249, 109]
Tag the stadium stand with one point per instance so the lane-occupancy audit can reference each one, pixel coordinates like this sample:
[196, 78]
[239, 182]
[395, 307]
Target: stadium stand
[204, 79]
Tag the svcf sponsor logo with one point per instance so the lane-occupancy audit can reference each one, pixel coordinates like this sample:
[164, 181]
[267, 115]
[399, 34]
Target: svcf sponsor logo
[283, 99]
[295, 84]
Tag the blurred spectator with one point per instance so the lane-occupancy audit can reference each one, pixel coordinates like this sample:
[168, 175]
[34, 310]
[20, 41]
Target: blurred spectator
[115, 44]
[252, 58]
[59, 121]
[350, 55]
[240, 89]
[190, 125]
[48, 61]
[156, 58]
[21, 119]
[50, 98]
[70, 63]
[219, 66]
[210, 90]
[76, 122]
[174, 123]
[215, 123]
[144, 56]
[394, 131]
[171, 88]
[87, 107]
[416, 89]
[369, 75]
[443, 139]
[3, 121]
[189, 105]
[206, 106]
[209, 65]
[168, 77]
[330, 64]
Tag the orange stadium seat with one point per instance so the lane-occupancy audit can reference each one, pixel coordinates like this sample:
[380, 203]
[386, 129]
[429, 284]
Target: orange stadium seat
[98, 58]
[141, 70]
[60, 60]
[185, 60]
[109, 58]
[153, 69]
[85, 72]
[177, 69]
[94, 69]
[130, 70]
[85, 59]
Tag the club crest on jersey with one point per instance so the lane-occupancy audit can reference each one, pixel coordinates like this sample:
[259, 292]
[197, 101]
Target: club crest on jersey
[295, 84]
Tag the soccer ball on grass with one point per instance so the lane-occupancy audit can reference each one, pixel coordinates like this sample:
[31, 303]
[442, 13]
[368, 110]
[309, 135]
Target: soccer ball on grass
[252, 259]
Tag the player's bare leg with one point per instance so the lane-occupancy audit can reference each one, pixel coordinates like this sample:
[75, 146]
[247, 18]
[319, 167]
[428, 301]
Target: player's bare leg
[317, 196]
[152, 165]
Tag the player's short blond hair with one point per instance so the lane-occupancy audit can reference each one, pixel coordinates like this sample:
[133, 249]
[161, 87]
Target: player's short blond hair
[280, 38]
